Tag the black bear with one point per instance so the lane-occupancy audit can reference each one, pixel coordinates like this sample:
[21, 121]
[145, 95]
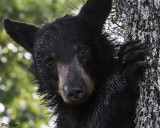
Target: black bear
[76, 72]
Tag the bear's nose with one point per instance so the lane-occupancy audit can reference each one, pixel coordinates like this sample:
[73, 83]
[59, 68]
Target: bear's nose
[74, 94]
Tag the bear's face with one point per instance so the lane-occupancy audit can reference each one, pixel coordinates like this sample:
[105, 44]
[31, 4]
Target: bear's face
[66, 53]
[67, 56]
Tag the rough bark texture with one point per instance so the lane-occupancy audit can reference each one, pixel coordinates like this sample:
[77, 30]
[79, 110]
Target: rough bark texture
[141, 20]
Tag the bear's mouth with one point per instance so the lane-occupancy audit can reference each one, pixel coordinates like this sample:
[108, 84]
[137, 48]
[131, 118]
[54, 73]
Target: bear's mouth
[77, 101]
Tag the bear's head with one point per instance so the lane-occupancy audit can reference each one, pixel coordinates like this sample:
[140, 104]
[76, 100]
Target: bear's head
[67, 53]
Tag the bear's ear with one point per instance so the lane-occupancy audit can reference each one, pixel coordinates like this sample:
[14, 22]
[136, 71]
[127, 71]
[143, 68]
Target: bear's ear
[96, 12]
[21, 33]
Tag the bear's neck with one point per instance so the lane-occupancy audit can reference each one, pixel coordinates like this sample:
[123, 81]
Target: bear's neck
[104, 109]
[70, 116]
[77, 116]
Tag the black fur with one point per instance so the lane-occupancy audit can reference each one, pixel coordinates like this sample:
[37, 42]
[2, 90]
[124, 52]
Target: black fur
[112, 103]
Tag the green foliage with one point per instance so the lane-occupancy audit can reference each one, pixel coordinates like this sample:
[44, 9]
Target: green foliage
[17, 93]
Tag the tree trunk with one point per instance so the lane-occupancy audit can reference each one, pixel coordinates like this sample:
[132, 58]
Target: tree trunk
[141, 19]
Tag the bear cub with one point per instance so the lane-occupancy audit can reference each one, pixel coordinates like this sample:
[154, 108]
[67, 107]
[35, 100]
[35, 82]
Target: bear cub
[76, 72]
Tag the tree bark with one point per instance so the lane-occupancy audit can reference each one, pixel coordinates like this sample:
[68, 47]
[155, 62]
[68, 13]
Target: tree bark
[141, 19]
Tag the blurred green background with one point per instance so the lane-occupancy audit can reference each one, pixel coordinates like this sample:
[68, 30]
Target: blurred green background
[19, 103]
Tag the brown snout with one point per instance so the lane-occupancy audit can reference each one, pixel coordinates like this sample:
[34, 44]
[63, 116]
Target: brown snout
[75, 85]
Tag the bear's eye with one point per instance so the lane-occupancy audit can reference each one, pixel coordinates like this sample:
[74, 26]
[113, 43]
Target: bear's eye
[83, 52]
[50, 62]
